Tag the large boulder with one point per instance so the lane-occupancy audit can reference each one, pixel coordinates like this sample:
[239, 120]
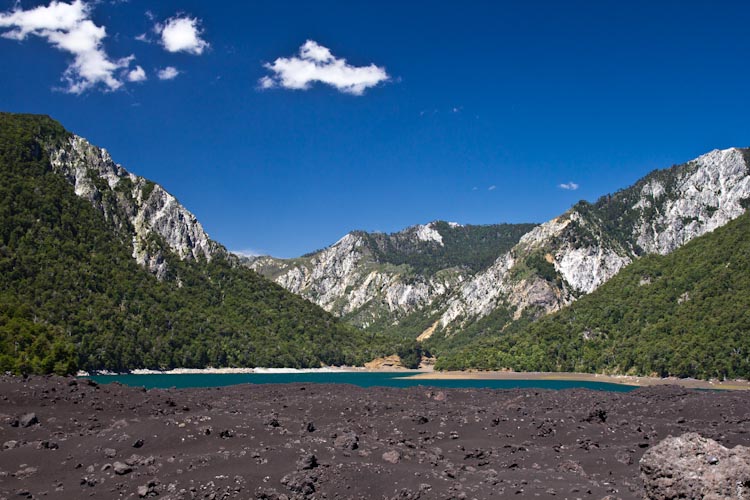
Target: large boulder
[693, 467]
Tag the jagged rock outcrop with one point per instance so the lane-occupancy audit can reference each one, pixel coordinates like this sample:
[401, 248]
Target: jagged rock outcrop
[139, 208]
[380, 278]
[707, 194]
[692, 467]
[347, 279]
[589, 244]
[544, 269]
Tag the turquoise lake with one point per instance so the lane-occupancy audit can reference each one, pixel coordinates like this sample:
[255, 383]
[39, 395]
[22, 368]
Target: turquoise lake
[365, 379]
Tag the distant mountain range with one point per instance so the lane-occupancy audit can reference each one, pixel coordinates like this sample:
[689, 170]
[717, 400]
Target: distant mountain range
[102, 269]
[684, 314]
[508, 273]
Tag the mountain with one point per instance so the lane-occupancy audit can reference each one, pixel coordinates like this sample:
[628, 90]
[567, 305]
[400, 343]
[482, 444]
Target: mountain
[403, 283]
[102, 269]
[133, 205]
[374, 280]
[572, 255]
[686, 314]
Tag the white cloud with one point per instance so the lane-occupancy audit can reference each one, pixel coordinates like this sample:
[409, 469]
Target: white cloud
[168, 73]
[137, 75]
[182, 34]
[492, 188]
[570, 186]
[143, 37]
[315, 63]
[69, 28]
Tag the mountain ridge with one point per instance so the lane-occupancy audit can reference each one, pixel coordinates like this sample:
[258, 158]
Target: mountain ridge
[75, 292]
[680, 314]
[377, 278]
[547, 268]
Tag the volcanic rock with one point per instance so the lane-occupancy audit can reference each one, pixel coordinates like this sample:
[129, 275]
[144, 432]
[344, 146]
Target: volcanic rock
[693, 467]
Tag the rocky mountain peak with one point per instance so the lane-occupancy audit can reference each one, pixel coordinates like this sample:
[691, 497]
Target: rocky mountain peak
[427, 232]
[139, 208]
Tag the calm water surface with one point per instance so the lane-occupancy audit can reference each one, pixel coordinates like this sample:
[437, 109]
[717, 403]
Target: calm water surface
[365, 379]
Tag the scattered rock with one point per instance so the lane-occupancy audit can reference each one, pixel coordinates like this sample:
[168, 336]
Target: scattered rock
[273, 421]
[28, 420]
[597, 415]
[121, 469]
[307, 462]
[347, 441]
[146, 490]
[47, 445]
[300, 482]
[693, 467]
[392, 456]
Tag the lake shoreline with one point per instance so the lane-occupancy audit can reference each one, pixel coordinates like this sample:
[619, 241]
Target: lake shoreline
[688, 383]
[430, 374]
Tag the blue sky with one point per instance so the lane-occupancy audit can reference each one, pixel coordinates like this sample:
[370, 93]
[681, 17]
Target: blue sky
[474, 112]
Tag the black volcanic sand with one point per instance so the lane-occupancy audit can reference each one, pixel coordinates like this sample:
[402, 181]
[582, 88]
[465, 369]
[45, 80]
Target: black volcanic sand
[341, 441]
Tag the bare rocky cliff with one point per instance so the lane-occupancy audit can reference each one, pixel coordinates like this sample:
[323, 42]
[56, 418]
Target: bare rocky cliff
[543, 270]
[140, 209]
[589, 244]
[348, 280]
[378, 279]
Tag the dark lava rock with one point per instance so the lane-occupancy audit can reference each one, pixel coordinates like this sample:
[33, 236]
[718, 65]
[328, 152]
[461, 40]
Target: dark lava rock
[307, 462]
[28, 420]
[597, 415]
[300, 482]
[694, 467]
[273, 421]
[347, 441]
[121, 469]
[392, 456]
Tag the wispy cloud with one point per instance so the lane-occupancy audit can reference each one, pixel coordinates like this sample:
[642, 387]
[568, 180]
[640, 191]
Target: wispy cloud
[137, 75]
[492, 188]
[182, 34]
[570, 186]
[316, 63]
[168, 73]
[68, 27]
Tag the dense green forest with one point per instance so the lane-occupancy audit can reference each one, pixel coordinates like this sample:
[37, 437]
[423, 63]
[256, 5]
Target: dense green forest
[72, 296]
[686, 314]
[471, 247]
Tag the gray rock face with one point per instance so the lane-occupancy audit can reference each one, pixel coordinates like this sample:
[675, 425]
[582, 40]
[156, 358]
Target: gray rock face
[688, 201]
[550, 266]
[693, 467]
[707, 195]
[138, 208]
[347, 280]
